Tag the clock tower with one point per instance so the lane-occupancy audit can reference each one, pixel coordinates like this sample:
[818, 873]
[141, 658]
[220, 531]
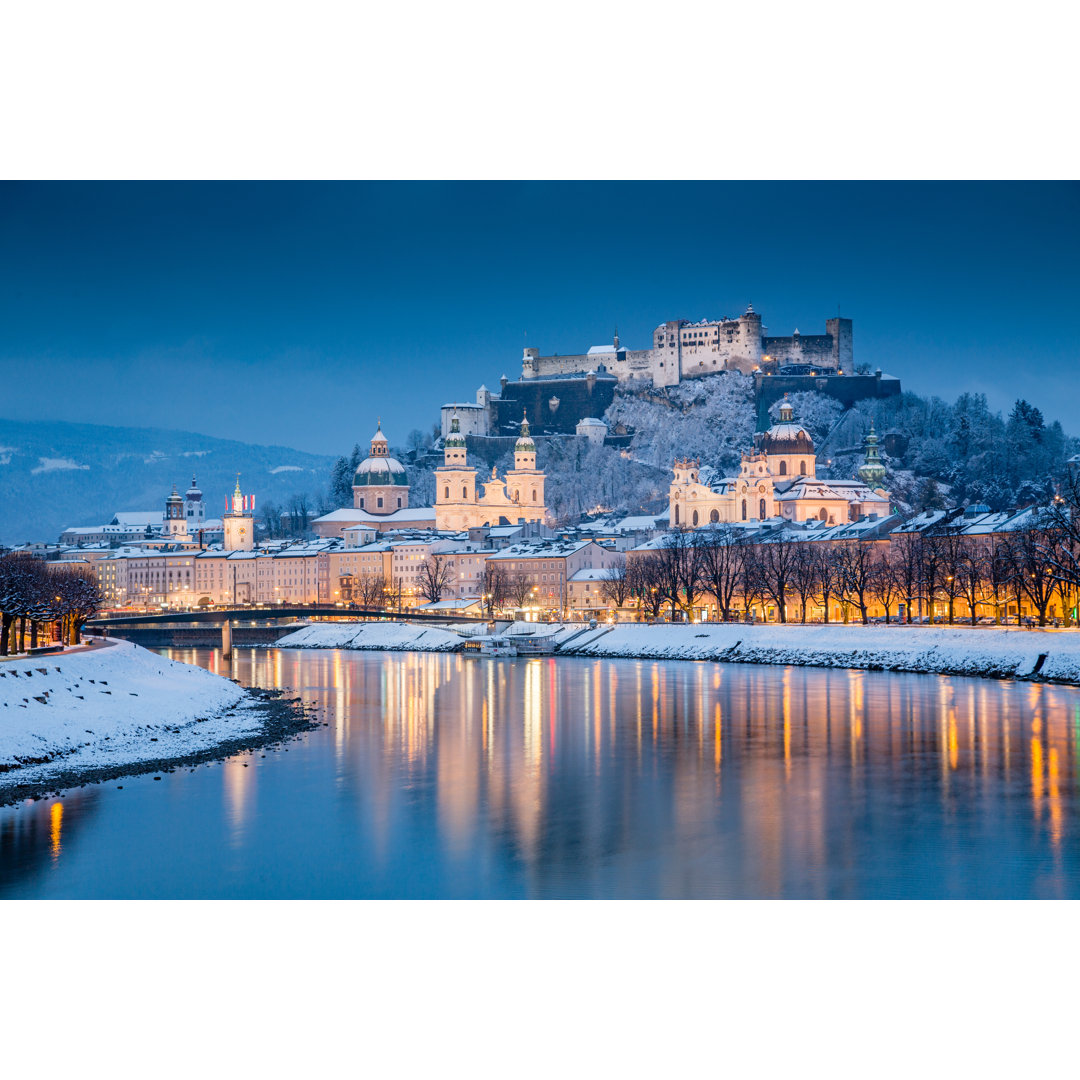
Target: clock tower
[239, 519]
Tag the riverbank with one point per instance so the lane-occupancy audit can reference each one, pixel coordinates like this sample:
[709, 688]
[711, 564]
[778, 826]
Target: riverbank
[98, 714]
[990, 652]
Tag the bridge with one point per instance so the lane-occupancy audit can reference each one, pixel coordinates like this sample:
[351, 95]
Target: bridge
[246, 625]
[251, 614]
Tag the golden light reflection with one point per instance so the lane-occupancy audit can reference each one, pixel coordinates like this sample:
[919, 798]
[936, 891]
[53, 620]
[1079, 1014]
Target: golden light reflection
[1037, 774]
[480, 736]
[56, 824]
[1055, 796]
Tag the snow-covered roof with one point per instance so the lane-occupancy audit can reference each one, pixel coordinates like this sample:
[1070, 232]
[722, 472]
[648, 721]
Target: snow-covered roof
[592, 574]
[362, 517]
[602, 350]
[542, 549]
[137, 517]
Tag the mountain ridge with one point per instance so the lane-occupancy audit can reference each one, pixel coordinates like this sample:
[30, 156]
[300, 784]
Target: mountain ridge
[57, 474]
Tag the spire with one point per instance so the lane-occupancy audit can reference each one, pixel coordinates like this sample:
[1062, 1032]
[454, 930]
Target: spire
[616, 335]
[872, 470]
[524, 425]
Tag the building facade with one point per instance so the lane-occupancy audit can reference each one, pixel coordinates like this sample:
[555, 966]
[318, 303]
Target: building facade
[459, 502]
[778, 478]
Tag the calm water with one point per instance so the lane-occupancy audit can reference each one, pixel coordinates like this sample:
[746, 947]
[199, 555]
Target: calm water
[440, 776]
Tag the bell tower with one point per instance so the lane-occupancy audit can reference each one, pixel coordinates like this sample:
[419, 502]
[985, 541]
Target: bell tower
[175, 522]
[239, 521]
[524, 482]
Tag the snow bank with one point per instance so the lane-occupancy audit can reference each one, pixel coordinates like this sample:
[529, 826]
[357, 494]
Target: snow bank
[372, 635]
[110, 706]
[993, 651]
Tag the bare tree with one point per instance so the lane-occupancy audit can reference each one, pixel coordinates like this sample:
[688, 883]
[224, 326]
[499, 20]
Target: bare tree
[436, 577]
[906, 560]
[777, 557]
[680, 571]
[720, 557]
[616, 585]
[495, 587]
[829, 578]
[519, 589]
[804, 575]
[855, 564]
[371, 590]
[648, 576]
[885, 582]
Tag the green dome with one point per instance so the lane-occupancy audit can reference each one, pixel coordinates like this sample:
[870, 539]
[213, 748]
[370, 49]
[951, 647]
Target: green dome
[455, 438]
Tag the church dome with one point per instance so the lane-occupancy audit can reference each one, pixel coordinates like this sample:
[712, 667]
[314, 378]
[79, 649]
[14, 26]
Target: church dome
[380, 469]
[787, 436]
[174, 497]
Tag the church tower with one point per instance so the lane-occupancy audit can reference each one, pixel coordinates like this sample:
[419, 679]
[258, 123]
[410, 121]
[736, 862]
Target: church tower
[175, 523]
[455, 483]
[239, 521]
[194, 508]
[872, 470]
[524, 482]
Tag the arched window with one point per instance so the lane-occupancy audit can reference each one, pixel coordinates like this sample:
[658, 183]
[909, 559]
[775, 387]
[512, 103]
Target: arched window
[744, 509]
[714, 516]
[676, 515]
[517, 495]
[378, 501]
[761, 509]
[534, 494]
[446, 493]
[783, 468]
[802, 468]
[823, 515]
[399, 504]
[464, 492]
[361, 502]
[695, 517]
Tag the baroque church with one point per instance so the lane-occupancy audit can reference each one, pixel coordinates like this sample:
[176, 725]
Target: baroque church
[778, 478]
[518, 496]
[381, 491]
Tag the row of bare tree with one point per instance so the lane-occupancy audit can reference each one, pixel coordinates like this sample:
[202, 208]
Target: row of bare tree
[718, 567]
[34, 593]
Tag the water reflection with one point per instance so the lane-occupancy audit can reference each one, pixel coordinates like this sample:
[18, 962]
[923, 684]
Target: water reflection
[441, 775]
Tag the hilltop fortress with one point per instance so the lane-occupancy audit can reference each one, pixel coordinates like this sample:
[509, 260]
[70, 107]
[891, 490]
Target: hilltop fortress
[568, 395]
[683, 350]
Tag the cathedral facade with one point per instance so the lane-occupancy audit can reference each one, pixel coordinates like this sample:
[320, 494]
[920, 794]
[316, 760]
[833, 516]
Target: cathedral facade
[778, 478]
[459, 503]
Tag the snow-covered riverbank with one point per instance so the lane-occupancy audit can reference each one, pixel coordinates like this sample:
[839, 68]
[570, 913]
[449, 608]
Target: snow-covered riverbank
[994, 652]
[103, 710]
[393, 636]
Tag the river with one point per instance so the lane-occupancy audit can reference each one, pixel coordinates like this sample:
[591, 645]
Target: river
[438, 775]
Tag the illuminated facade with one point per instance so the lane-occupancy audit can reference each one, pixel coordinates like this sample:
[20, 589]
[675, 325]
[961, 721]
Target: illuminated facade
[776, 479]
[519, 496]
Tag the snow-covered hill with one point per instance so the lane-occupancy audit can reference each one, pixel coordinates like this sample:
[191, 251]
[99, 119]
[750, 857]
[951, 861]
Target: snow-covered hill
[57, 475]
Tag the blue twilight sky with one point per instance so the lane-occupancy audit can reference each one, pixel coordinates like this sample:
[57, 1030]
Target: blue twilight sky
[296, 313]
